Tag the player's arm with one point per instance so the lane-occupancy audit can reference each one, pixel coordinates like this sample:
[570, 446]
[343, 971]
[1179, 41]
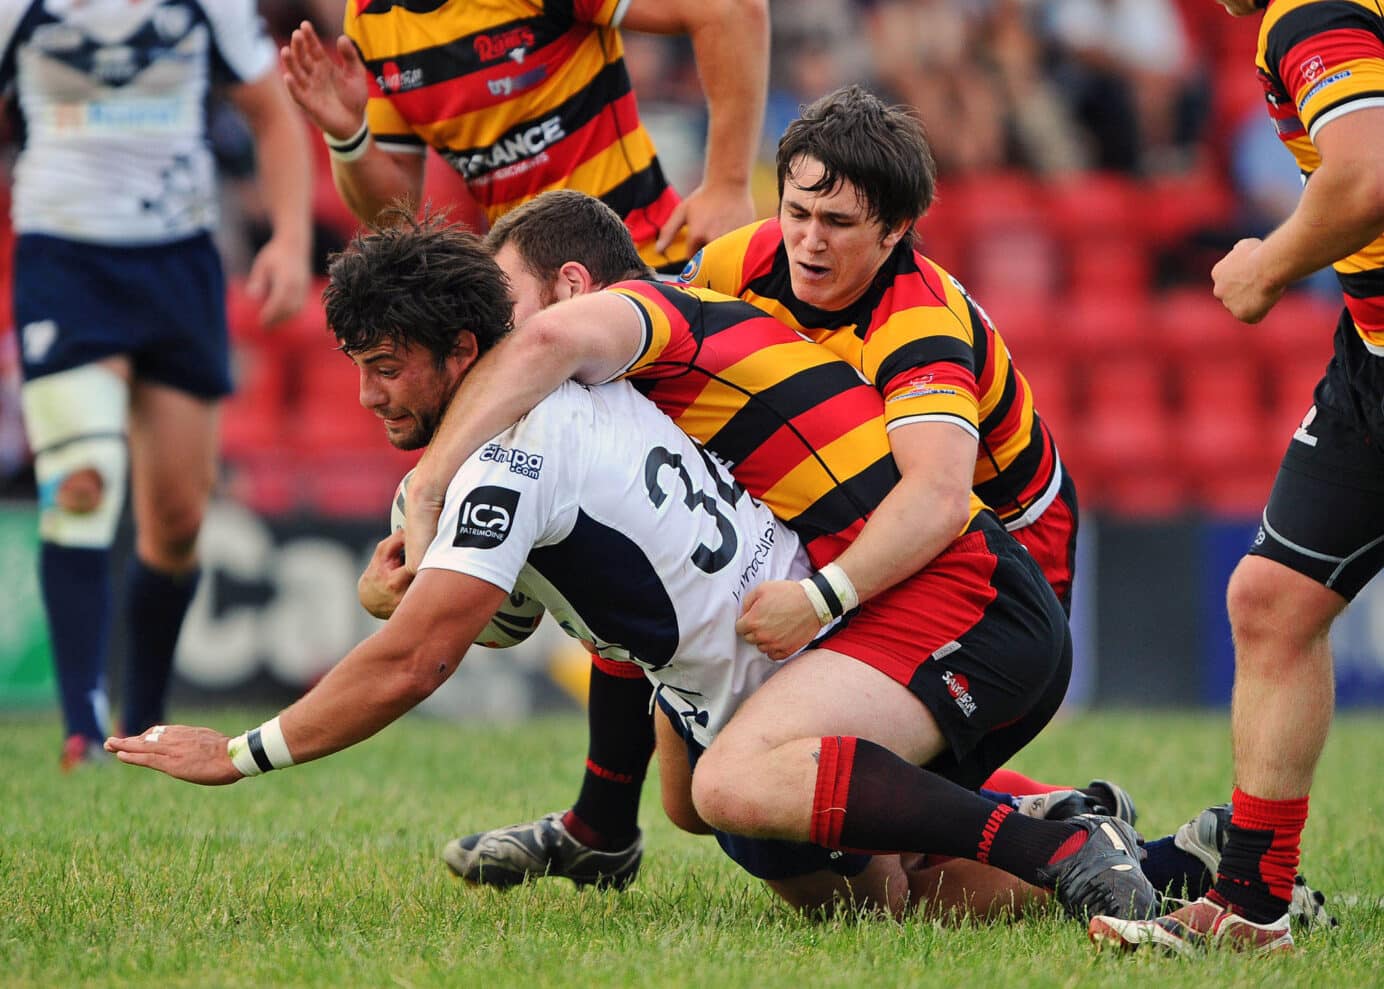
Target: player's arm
[925, 511]
[379, 680]
[280, 272]
[588, 338]
[730, 41]
[1341, 210]
[332, 90]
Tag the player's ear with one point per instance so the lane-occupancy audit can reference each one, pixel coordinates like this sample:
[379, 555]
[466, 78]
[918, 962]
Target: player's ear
[895, 234]
[465, 353]
[574, 279]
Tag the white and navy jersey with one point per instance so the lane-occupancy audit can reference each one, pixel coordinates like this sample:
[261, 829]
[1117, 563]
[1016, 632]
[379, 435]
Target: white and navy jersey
[638, 543]
[112, 95]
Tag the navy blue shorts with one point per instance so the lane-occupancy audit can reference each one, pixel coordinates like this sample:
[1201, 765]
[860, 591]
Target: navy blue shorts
[768, 858]
[163, 306]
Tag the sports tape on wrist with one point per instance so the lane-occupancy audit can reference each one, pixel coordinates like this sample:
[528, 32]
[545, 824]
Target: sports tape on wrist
[818, 602]
[352, 147]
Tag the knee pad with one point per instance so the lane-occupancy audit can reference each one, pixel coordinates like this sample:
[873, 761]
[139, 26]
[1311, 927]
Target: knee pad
[75, 420]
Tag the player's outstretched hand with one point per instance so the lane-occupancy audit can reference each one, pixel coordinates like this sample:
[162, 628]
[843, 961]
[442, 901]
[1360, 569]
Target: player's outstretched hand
[197, 755]
[708, 212]
[332, 90]
[778, 618]
[381, 587]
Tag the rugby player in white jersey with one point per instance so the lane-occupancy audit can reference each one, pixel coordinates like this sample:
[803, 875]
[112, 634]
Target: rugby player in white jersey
[119, 301]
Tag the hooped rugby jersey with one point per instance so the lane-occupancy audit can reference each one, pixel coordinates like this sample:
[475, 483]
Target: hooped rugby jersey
[519, 96]
[1319, 60]
[929, 349]
[637, 542]
[796, 425]
[112, 96]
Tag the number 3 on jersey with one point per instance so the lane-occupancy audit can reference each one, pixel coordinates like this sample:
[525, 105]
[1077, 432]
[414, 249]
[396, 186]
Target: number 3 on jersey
[705, 558]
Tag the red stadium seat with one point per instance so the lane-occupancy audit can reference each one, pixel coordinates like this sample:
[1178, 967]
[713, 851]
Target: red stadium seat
[1092, 205]
[328, 414]
[357, 483]
[1192, 326]
[1298, 328]
[253, 418]
[1106, 324]
[1107, 263]
[1175, 206]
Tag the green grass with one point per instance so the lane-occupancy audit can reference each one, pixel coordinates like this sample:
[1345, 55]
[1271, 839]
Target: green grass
[329, 875]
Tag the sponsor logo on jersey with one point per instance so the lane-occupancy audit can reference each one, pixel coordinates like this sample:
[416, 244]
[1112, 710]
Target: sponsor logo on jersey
[487, 514]
[690, 270]
[960, 689]
[1335, 77]
[510, 85]
[529, 143]
[393, 79]
[759, 556]
[1312, 68]
[921, 387]
[525, 464]
[512, 44]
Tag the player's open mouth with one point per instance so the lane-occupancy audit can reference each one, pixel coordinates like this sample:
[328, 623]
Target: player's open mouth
[812, 270]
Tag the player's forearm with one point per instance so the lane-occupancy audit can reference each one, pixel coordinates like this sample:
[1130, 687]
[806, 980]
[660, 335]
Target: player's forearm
[284, 174]
[916, 521]
[732, 52]
[1341, 211]
[378, 180]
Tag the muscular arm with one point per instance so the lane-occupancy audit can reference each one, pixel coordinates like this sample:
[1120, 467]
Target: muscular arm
[730, 41]
[588, 338]
[372, 183]
[378, 681]
[1341, 210]
[279, 275]
[923, 513]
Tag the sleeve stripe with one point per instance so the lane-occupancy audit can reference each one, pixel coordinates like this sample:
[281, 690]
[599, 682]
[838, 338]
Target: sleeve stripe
[1340, 111]
[933, 417]
[645, 342]
[619, 14]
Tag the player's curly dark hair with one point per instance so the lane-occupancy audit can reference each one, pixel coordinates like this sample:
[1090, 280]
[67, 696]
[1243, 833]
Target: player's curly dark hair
[882, 150]
[564, 225]
[416, 283]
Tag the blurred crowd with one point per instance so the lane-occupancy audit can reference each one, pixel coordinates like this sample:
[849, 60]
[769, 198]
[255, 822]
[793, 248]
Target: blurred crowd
[1093, 155]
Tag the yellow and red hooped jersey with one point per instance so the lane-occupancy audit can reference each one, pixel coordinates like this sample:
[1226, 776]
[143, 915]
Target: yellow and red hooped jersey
[795, 424]
[928, 348]
[1319, 60]
[519, 96]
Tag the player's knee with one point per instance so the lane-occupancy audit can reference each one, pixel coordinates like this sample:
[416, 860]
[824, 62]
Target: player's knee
[722, 800]
[1264, 607]
[75, 421]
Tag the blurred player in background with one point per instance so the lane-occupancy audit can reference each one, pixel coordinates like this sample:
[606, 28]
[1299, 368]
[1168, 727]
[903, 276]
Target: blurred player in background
[522, 96]
[1321, 539]
[119, 296]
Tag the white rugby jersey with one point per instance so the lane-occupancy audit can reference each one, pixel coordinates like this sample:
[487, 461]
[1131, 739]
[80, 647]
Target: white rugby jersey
[113, 97]
[638, 543]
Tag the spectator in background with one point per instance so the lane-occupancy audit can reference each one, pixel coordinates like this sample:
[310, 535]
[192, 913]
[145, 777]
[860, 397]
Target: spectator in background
[119, 300]
[1125, 66]
[535, 99]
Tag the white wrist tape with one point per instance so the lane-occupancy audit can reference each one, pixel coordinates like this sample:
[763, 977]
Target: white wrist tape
[831, 592]
[260, 749]
[352, 147]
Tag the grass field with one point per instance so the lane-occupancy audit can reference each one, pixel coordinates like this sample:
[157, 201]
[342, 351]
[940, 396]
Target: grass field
[329, 875]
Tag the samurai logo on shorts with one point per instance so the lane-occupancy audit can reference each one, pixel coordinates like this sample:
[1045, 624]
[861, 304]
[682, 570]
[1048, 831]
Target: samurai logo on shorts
[960, 689]
[486, 516]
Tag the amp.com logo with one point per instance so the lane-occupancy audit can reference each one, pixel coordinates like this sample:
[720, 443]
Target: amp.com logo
[525, 464]
[486, 516]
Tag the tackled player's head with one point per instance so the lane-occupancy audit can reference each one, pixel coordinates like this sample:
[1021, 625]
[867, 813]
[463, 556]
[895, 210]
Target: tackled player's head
[416, 283]
[879, 149]
[414, 305]
[560, 227]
